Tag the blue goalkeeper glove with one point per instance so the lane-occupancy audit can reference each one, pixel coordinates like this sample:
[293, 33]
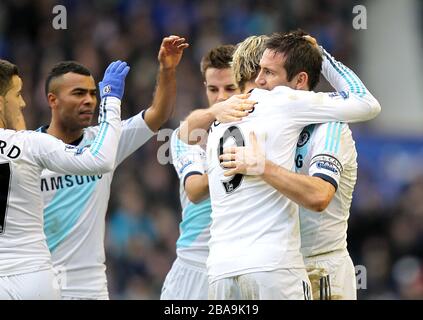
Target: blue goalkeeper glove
[113, 83]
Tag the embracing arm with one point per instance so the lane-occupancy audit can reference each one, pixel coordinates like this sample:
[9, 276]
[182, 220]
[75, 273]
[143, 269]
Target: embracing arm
[194, 128]
[197, 187]
[310, 192]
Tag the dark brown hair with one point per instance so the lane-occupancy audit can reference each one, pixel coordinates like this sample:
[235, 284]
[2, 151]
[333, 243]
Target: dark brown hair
[7, 71]
[301, 55]
[63, 67]
[219, 58]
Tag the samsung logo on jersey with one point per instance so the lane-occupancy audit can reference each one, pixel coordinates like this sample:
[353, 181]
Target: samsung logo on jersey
[68, 181]
[327, 162]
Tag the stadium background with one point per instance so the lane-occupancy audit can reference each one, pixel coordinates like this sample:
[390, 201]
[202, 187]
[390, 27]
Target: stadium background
[386, 225]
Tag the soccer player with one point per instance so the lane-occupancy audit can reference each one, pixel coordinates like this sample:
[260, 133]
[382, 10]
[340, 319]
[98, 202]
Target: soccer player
[75, 206]
[187, 279]
[255, 239]
[26, 270]
[326, 158]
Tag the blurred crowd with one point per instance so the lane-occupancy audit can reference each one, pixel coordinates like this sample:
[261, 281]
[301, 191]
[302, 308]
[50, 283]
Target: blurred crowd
[385, 235]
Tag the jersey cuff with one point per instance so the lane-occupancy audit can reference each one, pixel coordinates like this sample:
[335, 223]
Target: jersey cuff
[192, 173]
[327, 178]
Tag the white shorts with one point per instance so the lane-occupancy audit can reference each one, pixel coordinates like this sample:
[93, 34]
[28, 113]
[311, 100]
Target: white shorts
[332, 277]
[282, 284]
[185, 282]
[40, 285]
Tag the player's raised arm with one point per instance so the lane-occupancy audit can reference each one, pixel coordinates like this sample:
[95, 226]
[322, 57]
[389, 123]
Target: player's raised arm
[99, 157]
[309, 107]
[351, 103]
[335, 106]
[169, 56]
[345, 81]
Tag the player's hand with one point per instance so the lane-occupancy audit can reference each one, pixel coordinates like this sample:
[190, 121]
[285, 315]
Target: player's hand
[171, 51]
[113, 83]
[244, 160]
[312, 40]
[233, 109]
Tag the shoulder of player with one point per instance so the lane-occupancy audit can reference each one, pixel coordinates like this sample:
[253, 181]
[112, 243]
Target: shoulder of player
[330, 128]
[332, 138]
[179, 147]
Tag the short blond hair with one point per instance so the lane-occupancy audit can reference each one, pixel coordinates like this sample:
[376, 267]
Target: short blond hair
[246, 59]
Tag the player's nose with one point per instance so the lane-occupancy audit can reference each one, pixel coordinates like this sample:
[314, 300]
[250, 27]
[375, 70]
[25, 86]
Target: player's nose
[222, 96]
[23, 103]
[260, 81]
[89, 99]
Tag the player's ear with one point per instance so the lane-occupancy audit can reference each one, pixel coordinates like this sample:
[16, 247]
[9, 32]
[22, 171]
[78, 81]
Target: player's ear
[52, 100]
[301, 82]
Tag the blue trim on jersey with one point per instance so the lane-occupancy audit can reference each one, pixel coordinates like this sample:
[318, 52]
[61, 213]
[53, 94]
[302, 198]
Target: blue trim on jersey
[303, 150]
[330, 124]
[327, 179]
[63, 212]
[179, 146]
[344, 76]
[103, 129]
[338, 138]
[333, 136]
[197, 218]
[359, 84]
[96, 145]
[348, 75]
[189, 174]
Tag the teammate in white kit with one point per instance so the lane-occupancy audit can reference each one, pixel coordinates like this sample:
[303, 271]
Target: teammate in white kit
[75, 206]
[187, 279]
[26, 270]
[255, 239]
[327, 153]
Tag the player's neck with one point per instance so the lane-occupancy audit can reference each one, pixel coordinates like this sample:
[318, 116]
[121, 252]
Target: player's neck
[65, 134]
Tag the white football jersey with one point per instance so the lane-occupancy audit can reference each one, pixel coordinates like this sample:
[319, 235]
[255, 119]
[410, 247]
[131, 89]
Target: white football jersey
[192, 244]
[327, 151]
[254, 227]
[23, 156]
[74, 215]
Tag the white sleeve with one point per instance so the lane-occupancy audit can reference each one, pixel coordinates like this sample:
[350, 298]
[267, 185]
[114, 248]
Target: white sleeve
[51, 153]
[352, 102]
[309, 107]
[327, 152]
[187, 159]
[135, 133]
